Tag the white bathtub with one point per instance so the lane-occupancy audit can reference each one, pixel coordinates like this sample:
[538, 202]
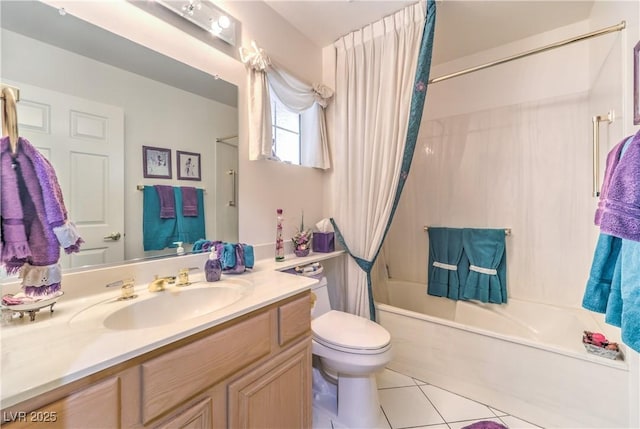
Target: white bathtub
[523, 358]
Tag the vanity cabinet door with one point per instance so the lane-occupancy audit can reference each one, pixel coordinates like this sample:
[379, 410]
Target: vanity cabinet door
[276, 395]
[198, 416]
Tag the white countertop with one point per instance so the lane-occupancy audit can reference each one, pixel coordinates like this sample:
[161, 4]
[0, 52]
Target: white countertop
[50, 352]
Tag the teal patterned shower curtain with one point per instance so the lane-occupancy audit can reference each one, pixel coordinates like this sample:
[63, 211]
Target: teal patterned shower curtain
[415, 116]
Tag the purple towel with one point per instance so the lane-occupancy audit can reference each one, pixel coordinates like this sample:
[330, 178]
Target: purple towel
[167, 201]
[15, 247]
[612, 162]
[189, 201]
[621, 215]
[55, 210]
[20, 183]
[486, 424]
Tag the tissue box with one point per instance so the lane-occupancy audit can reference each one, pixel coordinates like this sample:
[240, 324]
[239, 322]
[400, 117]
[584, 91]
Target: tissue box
[323, 242]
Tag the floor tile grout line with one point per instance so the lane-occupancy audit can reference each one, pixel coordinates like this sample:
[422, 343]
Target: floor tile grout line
[385, 416]
[518, 418]
[422, 426]
[432, 404]
[472, 400]
[397, 387]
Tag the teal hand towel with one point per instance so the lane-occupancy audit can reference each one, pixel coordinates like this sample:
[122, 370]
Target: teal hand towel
[190, 228]
[228, 256]
[447, 264]
[157, 233]
[598, 287]
[249, 258]
[487, 279]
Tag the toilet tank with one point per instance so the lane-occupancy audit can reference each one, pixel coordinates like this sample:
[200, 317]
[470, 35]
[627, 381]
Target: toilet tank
[322, 304]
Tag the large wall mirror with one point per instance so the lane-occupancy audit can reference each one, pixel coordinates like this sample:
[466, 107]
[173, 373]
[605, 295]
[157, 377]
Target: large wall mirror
[90, 100]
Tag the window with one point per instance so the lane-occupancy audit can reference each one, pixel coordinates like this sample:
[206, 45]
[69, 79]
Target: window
[286, 132]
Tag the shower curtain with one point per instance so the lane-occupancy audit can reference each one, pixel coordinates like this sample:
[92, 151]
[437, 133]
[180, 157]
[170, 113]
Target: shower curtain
[382, 72]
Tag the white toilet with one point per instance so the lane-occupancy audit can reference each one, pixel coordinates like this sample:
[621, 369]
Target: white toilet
[348, 350]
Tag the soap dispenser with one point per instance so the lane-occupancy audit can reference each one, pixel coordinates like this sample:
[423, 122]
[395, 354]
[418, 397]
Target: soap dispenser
[213, 268]
[180, 249]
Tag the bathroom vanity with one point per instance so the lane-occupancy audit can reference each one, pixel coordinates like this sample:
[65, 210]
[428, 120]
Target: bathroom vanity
[245, 365]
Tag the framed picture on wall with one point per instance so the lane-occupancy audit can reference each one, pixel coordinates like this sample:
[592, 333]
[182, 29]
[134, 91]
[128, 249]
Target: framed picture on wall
[188, 165]
[636, 84]
[156, 162]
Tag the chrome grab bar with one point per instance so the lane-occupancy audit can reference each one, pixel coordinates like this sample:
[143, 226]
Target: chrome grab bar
[233, 174]
[610, 117]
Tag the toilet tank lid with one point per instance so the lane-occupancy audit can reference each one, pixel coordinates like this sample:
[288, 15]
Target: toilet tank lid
[350, 331]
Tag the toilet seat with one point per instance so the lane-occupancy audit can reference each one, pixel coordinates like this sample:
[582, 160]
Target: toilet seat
[350, 333]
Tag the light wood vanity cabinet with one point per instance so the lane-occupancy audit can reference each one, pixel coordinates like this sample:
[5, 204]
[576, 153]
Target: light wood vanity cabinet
[251, 372]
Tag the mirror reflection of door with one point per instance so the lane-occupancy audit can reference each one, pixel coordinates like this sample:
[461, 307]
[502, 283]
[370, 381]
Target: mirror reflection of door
[84, 140]
[227, 189]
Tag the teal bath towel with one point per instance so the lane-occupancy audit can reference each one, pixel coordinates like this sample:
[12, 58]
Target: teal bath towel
[630, 291]
[157, 233]
[598, 288]
[447, 268]
[190, 228]
[487, 279]
[613, 314]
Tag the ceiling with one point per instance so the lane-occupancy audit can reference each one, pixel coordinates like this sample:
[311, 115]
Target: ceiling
[462, 26]
[42, 22]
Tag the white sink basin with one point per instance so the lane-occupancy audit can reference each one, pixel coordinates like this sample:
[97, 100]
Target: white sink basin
[152, 309]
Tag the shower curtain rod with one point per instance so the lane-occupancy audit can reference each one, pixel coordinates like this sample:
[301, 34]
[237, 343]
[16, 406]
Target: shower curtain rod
[596, 33]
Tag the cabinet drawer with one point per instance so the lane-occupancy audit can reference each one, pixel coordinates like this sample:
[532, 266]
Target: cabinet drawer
[294, 319]
[179, 374]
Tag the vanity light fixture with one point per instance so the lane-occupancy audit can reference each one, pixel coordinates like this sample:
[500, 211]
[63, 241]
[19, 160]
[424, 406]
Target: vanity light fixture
[205, 15]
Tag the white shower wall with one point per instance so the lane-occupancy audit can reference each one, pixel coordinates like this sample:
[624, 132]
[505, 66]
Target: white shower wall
[509, 147]
[525, 167]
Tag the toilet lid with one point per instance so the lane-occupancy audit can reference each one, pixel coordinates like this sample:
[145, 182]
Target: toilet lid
[349, 331]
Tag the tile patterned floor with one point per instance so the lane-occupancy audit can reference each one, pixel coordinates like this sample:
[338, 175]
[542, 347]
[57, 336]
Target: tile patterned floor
[410, 403]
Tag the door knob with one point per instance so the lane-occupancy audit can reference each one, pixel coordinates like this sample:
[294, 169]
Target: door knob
[115, 236]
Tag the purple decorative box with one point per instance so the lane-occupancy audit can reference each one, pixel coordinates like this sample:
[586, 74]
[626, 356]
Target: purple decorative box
[323, 242]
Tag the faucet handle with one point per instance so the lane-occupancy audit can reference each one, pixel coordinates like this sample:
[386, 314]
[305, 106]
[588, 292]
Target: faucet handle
[183, 276]
[126, 288]
[120, 283]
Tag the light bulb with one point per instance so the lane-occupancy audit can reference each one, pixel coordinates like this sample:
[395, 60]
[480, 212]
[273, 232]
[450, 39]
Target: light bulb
[215, 28]
[224, 21]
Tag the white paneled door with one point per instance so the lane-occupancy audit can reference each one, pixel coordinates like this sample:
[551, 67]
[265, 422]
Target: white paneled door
[84, 141]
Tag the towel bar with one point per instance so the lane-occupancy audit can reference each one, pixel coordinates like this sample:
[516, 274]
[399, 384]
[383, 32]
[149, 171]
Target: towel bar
[507, 231]
[610, 117]
[141, 188]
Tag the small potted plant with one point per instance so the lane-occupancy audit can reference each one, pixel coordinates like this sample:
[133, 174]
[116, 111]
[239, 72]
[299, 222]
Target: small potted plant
[302, 240]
